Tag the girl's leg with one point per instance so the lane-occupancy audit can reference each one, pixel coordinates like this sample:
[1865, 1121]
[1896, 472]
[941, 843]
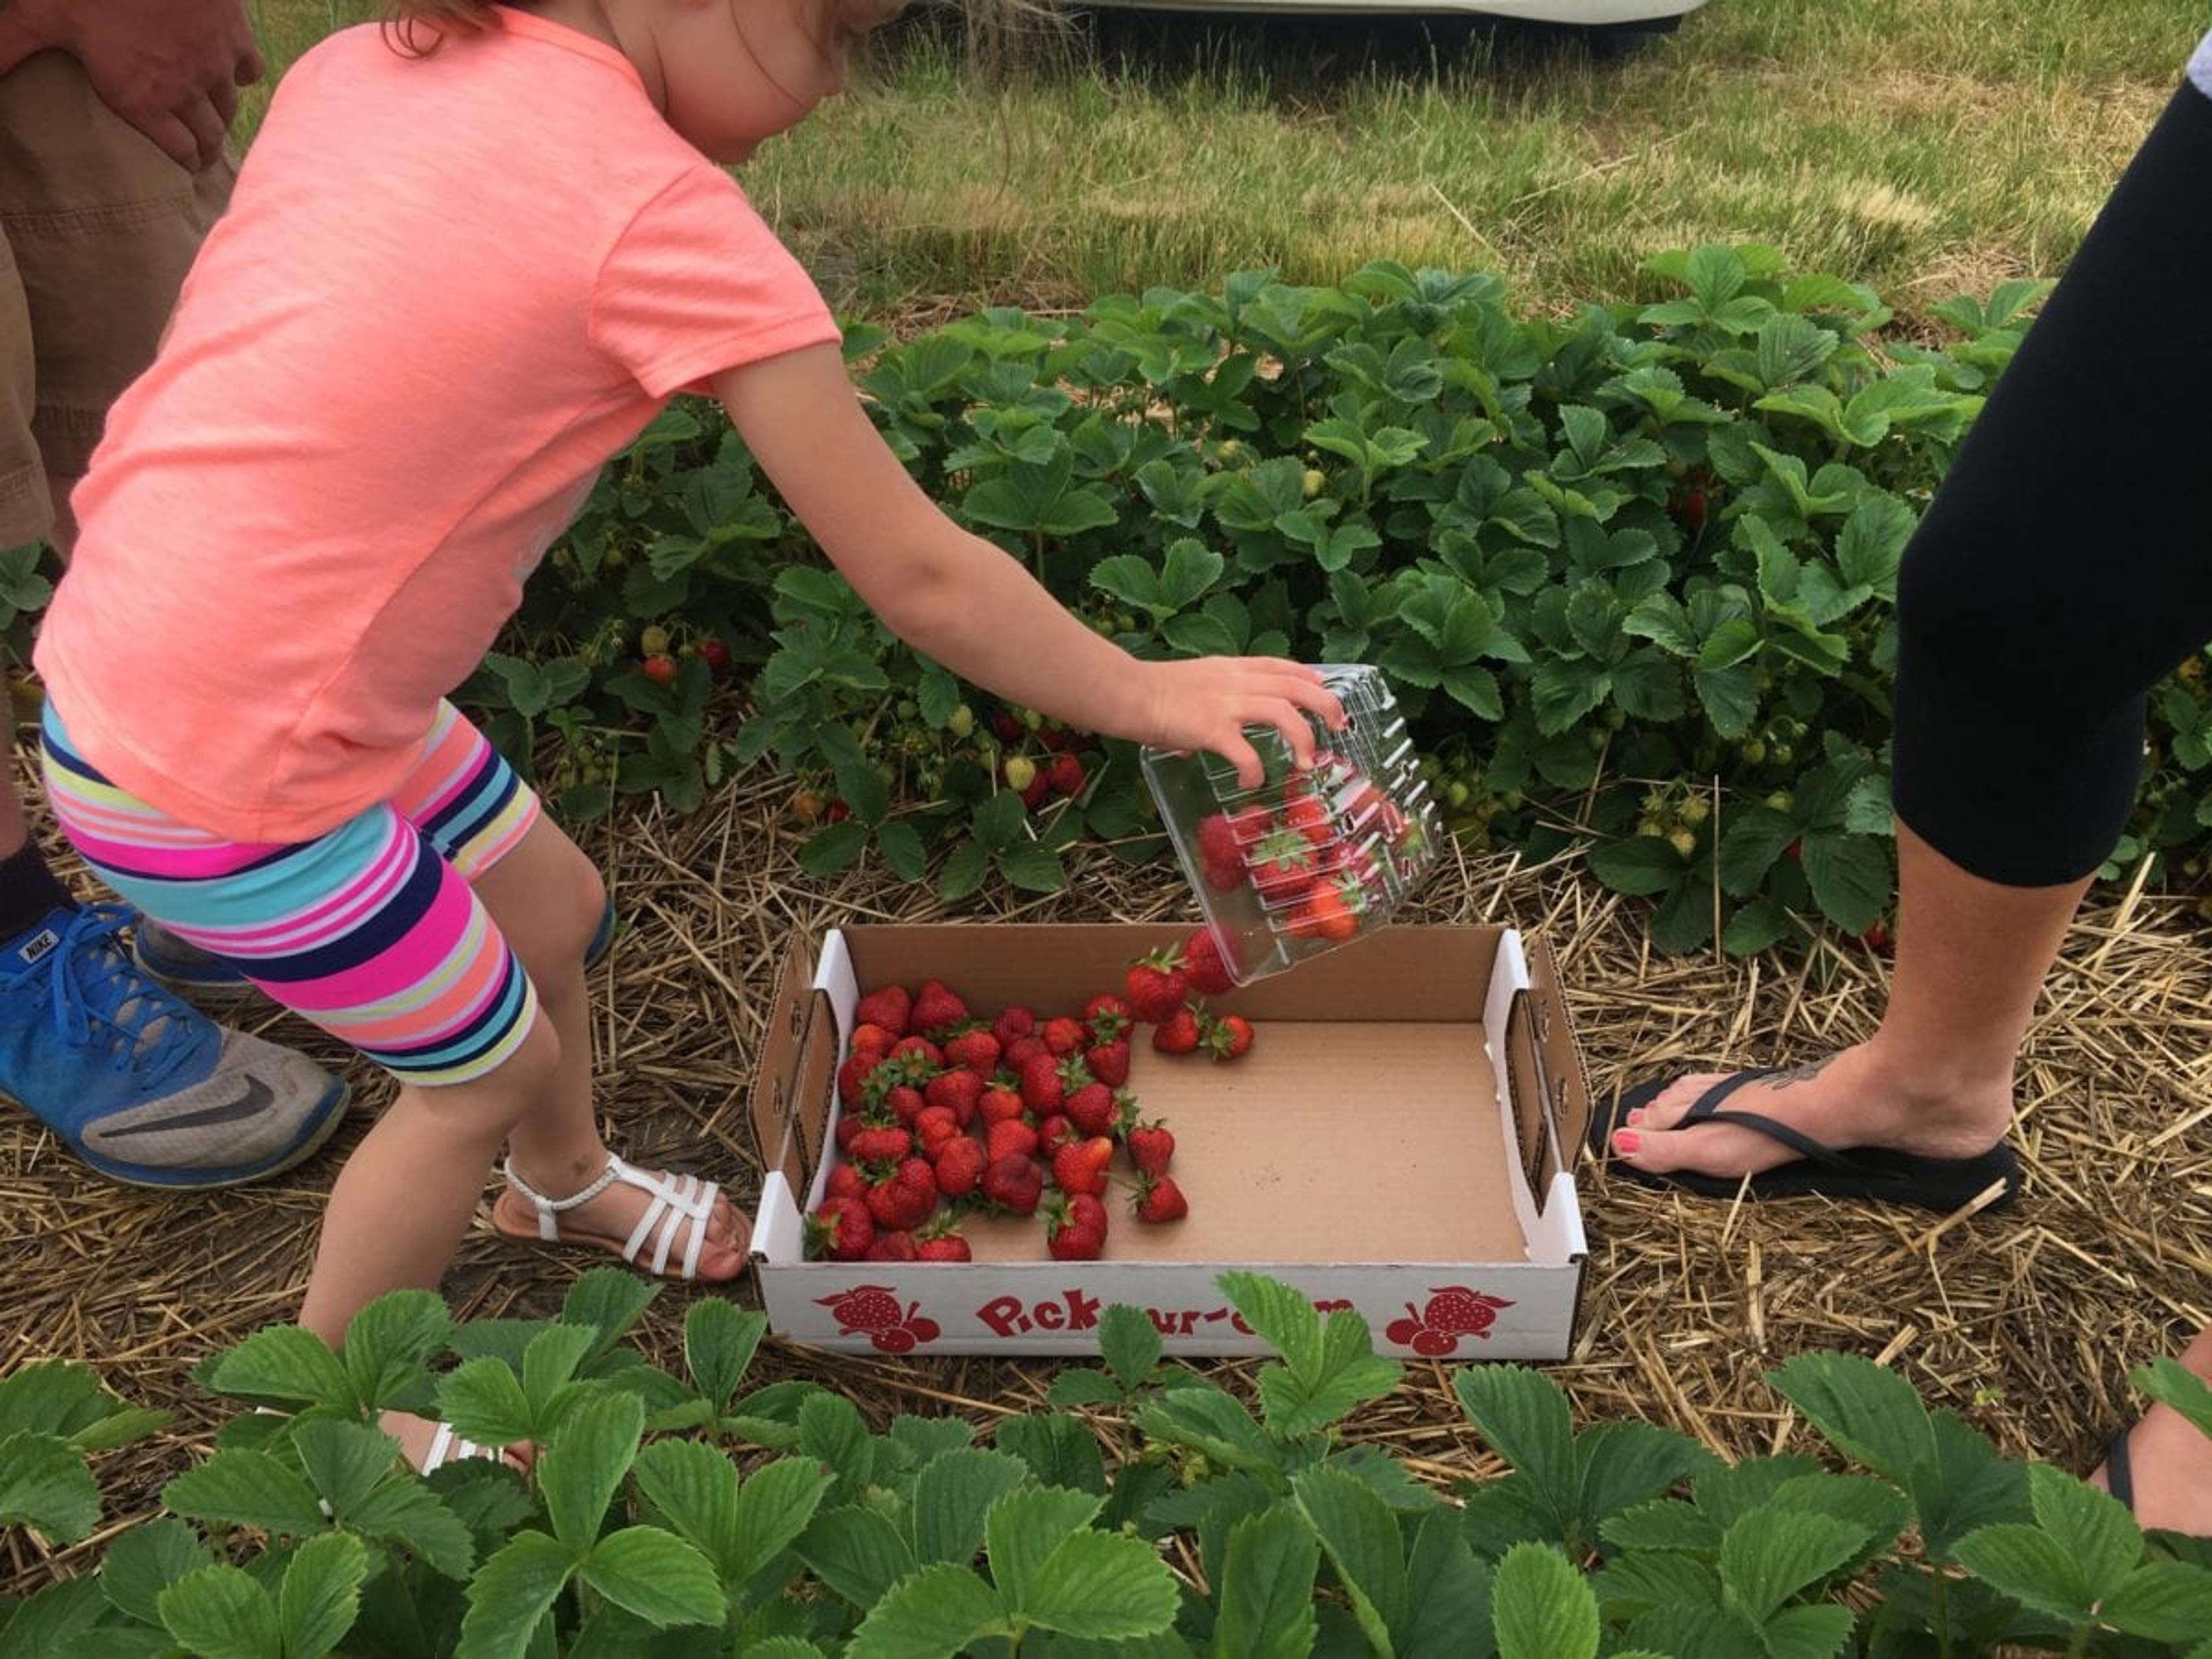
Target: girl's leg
[547, 898]
[547, 903]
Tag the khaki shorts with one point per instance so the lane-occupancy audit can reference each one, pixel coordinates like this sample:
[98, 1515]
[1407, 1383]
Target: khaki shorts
[97, 229]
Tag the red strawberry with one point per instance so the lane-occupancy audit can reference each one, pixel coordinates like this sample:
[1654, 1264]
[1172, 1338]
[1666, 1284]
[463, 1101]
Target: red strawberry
[930, 1053]
[903, 1200]
[1109, 1062]
[1021, 1051]
[1014, 1183]
[1157, 984]
[1177, 1034]
[942, 1245]
[934, 1127]
[1056, 1132]
[1218, 856]
[1034, 791]
[1151, 1147]
[1090, 1109]
[863, 1308]
[1009, 1138]
[1228, 1037]
[1283, 868]
[890, 1008]
[853, 1077]
[937, 1009]
[1158, 1198]
[1064, 1036]
[1042, 1088]
[959, 1166]
[905, 1103]
[1080, 1166]
[1015, 1022]
[1075, 1228]
[845, 1181]
[891, 1246]
[849, 1128]
[1000, 1101]
[977, 1050]
[843, 1229]
[1305, 811]
[872, 1039]
[1329, 913]
[1107, 1017]
[1209, 973]
[881, 1144]
[1058, 739]
[957, 1092]
[1008, 728]
[1065, 774]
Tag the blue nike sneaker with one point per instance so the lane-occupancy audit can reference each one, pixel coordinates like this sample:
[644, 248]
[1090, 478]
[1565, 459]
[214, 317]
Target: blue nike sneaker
[139, 1084]
[208, 980]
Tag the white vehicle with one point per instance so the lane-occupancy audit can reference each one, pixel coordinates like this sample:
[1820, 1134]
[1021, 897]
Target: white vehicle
[1654, 16]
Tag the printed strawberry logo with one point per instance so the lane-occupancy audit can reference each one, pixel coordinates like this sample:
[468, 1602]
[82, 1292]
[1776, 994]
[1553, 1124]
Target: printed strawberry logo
[871, 1311]
[1462, 1311]
[1452, 1311]
[863, 1308]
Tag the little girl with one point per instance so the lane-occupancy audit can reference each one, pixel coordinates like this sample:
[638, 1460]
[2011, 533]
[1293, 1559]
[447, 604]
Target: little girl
[470, 258]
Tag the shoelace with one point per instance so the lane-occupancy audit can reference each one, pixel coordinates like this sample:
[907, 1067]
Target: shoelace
[100, 998]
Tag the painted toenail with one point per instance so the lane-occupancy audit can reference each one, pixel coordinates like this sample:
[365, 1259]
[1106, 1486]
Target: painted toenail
[1627, 1140]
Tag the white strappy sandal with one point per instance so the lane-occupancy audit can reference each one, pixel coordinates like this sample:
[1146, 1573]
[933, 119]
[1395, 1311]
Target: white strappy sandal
[446, 1447]
[676, 1200]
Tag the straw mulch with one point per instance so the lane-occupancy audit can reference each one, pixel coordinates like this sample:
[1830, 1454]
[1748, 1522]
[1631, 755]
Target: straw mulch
[2026, 1321]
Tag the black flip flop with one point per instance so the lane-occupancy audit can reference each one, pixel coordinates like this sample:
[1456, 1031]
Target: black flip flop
[1864, 1172]
[2119, 1473]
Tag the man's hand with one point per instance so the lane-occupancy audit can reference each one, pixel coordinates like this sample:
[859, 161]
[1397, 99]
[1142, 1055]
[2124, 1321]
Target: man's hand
[171, 67]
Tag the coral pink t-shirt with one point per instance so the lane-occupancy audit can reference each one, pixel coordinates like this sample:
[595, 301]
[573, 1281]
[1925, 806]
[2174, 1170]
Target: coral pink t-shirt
[446, 291]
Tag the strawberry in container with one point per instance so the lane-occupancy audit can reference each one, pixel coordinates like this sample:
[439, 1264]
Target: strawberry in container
[1314, 856]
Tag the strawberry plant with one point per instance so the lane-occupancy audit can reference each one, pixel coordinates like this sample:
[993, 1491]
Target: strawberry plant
[1612, 565]
[1631, 573]
[672, 1514]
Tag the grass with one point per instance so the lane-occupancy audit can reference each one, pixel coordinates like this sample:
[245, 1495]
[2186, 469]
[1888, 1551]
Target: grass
[1927, 150]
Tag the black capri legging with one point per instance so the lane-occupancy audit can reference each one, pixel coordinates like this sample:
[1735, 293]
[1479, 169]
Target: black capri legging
[2065, 566]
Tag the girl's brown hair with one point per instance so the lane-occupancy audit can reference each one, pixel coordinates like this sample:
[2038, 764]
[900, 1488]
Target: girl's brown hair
[415, 26]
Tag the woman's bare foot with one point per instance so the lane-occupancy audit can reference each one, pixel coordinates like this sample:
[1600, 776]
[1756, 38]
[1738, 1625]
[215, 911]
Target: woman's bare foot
[419, 1439]
[2170, 1458]
[1848, 1099]
[608, 1219]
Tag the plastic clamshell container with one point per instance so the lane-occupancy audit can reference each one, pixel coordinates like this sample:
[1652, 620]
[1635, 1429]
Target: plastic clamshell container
[1311, 859]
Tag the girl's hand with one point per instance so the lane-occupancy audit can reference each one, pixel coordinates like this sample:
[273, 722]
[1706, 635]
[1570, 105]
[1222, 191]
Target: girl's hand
[1206, 703]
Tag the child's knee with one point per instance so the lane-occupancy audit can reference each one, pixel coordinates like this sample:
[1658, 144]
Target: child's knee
[488, 1107]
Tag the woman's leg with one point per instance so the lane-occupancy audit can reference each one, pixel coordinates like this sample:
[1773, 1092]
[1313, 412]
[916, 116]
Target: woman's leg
[2059, 574]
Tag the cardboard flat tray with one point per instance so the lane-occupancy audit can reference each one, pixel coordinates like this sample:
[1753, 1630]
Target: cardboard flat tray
[1363, 1150]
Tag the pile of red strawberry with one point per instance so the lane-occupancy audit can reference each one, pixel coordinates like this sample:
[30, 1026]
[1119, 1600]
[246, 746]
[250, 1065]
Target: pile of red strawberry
[943, 1113]
[1319, 857]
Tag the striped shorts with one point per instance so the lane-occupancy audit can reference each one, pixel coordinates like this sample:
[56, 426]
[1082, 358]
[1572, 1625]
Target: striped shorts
[371, 931]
